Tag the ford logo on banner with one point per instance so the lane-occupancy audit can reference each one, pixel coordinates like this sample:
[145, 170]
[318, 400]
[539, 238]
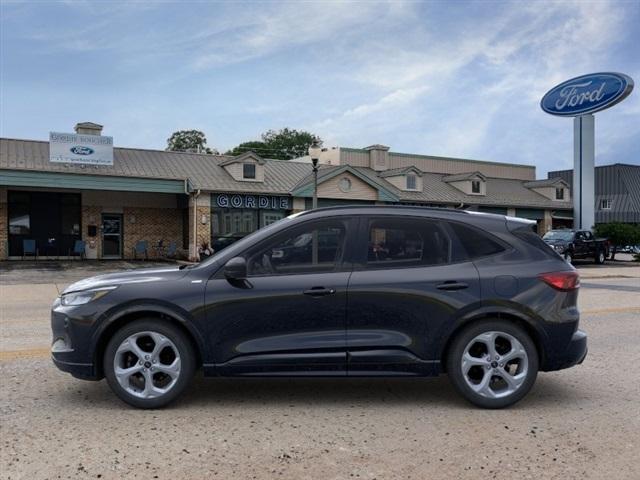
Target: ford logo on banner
[79, 150]
[587, 94]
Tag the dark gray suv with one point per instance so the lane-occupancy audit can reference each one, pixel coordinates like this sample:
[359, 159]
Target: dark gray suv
[346, 291]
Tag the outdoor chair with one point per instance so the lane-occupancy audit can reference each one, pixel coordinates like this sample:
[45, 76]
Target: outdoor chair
[29, 248]
[159, 249]
[78, 249]
[172, 249]
[141, 248]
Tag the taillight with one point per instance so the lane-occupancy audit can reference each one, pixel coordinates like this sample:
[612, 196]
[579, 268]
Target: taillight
[563, 281]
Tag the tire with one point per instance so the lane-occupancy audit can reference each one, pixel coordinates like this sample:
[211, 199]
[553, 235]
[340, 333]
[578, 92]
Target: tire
[149, 349]
[493, 391]
[568, 258]
[600, 257]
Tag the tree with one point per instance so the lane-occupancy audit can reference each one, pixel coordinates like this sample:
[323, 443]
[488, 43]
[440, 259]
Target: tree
[255, 146]
[283, 144]
[188, 141]
[619, 234]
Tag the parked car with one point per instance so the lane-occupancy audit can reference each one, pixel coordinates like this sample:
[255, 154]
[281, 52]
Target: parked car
[406, 291]
[577, 244]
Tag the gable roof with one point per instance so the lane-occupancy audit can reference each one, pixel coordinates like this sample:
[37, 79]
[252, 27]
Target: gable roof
[395, 172]
[459, 177]
[547, 182]
[248, 155]
[305, 187]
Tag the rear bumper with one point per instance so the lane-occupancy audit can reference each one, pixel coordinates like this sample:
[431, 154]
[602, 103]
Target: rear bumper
[574, 353]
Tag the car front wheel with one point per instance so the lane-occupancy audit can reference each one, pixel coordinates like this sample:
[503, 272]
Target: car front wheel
[148, 363]
[493, 363]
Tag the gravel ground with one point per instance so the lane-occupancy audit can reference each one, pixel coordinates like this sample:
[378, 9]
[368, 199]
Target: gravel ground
[578, 423]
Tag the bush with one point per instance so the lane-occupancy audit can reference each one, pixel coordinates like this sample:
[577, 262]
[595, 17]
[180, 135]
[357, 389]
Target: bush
[619, 234]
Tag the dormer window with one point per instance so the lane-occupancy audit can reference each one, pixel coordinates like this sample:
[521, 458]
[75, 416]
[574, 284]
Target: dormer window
[559, 193]
[412, 182]
[475, 186]
[249, 171]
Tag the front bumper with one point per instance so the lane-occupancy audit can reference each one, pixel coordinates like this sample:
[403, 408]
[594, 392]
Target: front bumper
[71, 350]
[574, 353]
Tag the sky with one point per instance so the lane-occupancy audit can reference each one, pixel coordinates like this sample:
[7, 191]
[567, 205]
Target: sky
[446, 78]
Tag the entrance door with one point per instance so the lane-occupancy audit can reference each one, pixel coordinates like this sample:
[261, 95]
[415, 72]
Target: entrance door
[111, 235]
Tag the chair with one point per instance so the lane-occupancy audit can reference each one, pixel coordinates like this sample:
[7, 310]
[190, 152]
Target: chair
[78, 249]
[29, 248]
[172, 249]
[159, 249]
[141, 248]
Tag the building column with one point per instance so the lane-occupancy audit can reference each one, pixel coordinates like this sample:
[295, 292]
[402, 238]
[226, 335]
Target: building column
[199, 222]
[4, 225]
[511, 212]
[298, 205]
[546, 223]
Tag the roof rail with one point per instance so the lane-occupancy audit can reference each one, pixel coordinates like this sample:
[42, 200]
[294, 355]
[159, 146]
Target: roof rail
[398, 207]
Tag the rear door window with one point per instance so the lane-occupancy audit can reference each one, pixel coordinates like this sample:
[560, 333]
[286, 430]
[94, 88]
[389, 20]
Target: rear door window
[406, 242]
[475, 242]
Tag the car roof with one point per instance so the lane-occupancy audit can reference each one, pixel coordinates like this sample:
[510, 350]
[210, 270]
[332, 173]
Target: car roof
[397, 210]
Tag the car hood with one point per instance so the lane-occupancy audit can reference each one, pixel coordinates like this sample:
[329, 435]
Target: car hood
[142, 275]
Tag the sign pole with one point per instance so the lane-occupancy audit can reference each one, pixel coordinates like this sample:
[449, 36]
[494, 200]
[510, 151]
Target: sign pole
[583, 172]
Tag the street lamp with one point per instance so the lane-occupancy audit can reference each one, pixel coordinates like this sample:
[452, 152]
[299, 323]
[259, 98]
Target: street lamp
[314, 152]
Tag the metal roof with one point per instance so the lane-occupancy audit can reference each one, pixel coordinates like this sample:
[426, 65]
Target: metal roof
[205, 172]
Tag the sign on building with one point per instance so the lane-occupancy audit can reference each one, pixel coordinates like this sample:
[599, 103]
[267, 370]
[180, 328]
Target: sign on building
[80, 149]
[224, 200]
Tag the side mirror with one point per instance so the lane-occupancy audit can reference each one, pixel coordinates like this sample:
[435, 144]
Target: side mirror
[236, 269]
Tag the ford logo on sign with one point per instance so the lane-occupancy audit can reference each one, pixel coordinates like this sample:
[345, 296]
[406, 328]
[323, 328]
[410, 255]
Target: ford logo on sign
[587, 94]
[78, 150]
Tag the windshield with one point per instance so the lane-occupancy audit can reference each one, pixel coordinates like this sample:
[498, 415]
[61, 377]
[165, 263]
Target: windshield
[244, 242]
[559, 235]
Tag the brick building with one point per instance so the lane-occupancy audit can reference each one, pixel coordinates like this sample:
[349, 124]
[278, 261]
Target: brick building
[187, 199]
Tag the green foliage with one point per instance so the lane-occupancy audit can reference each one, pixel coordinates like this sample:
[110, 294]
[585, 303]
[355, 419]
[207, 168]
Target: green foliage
[283, 144]
[256, 146]
[619, 234]
[188, 141]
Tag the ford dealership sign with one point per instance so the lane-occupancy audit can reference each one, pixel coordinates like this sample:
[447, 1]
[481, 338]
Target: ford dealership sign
[587, 94]
[80, 149]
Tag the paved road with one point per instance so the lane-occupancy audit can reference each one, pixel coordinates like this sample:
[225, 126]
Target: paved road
[580, 423]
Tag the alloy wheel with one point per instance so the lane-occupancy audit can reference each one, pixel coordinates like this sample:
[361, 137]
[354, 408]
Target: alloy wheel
[147, 364]
[494, 364]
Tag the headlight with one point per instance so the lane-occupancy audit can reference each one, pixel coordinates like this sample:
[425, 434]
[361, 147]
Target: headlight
[86, 296]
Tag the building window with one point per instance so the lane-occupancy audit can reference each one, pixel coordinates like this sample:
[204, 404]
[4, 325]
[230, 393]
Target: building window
[412, 182]
[559, 193]
[344, 185]
[249, 171]
[19, 213]
[605, 204]
[475, 186]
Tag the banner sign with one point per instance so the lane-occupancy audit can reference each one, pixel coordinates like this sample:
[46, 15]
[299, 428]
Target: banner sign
[80, 149]
[238, 200]
[587, 94]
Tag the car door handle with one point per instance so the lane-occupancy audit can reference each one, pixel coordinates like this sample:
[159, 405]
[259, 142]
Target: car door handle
[319, 291]
[452, 285]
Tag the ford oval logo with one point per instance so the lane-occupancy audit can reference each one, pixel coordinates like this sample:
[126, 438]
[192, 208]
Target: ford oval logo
[587, 94]
[79, 150]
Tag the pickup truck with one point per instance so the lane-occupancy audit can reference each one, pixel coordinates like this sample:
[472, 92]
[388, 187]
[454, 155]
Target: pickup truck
[577, 244]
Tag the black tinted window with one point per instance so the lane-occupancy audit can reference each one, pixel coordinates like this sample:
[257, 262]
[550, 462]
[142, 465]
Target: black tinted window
[475, 242]
[406, 243]
[317, 247]
[532, 238]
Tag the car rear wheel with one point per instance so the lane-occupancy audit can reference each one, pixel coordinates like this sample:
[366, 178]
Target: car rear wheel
[493, 363]
[148, 363]
[600, 257]
[568, 258]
